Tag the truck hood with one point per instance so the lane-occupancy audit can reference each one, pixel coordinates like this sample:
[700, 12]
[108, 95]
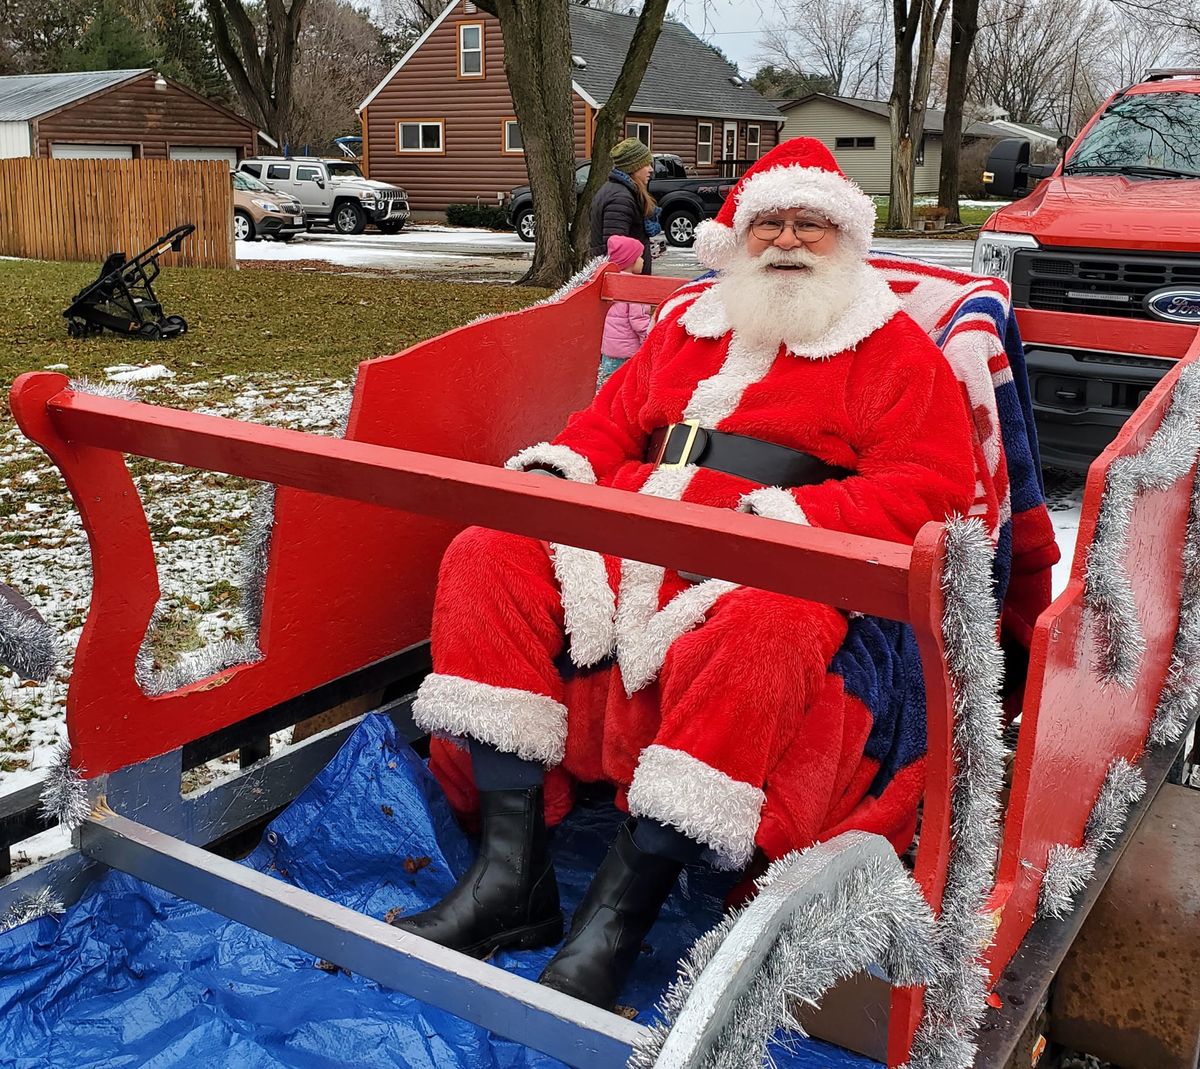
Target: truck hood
[1109, 211]
[361, 183]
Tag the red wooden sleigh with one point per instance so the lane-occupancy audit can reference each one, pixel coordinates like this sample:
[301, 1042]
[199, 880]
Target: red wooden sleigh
[360, 524]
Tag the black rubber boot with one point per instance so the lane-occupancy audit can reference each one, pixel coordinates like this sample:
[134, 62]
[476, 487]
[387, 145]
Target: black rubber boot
[620, 907]
[508, 899]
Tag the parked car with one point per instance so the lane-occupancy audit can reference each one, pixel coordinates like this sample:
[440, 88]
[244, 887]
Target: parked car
[1103, 257]
[684, 201]
[334, 192]
[260, 211]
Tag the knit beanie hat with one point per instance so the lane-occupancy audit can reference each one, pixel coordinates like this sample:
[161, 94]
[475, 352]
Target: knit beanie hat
[800, 173]
[630, 155]
[624, 251]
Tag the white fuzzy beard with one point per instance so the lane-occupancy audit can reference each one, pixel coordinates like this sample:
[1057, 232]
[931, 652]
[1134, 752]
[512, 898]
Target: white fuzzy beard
[768, 307]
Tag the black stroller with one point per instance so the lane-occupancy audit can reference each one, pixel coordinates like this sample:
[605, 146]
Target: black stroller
[122, 298]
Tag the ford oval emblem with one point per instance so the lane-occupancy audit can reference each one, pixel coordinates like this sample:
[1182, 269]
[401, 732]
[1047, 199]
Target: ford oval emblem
[1175, 304]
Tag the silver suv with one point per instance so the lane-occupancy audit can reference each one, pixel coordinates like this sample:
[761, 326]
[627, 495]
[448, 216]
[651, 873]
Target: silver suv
[333, 191]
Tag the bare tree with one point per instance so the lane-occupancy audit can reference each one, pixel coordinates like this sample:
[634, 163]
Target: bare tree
[843, 42]
[537, 62]
[964, 25]
[403, 21]
[1031, 56]
[342, 56]
[259, 56]
[916, 27]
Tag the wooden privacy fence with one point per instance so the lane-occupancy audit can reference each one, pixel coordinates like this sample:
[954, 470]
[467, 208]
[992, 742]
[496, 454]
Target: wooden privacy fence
[84, 209]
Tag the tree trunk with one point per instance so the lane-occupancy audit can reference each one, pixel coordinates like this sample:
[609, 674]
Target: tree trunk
[964, 25]
[262, 75]
[537, 62]
[905, 21]
[610, 119]
[920, 25]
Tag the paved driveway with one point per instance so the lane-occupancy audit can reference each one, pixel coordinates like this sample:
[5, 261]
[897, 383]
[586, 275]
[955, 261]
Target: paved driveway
[486, 255]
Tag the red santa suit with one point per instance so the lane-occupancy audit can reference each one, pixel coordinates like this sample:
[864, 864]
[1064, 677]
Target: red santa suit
[707, 704]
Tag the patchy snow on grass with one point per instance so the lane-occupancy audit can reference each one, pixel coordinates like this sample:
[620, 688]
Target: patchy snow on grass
[125, 373]
[196, 521]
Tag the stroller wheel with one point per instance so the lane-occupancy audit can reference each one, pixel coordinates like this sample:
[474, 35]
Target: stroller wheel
[150, 331]
[76, 329]
[175, 325]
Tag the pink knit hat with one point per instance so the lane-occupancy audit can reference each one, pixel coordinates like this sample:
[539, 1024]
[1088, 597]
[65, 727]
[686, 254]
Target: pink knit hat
[624, 251]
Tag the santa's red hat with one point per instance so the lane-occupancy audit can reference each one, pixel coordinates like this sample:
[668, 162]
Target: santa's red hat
[800, 173]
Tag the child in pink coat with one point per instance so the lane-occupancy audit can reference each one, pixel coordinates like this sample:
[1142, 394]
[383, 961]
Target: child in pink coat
[626, 325]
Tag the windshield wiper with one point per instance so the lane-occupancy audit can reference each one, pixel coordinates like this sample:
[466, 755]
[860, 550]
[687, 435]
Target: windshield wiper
[1135, 169]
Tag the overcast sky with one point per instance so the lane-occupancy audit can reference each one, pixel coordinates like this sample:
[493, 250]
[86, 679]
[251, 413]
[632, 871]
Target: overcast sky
[734, 26]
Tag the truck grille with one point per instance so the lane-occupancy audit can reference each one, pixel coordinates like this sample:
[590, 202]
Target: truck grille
[1097, 283]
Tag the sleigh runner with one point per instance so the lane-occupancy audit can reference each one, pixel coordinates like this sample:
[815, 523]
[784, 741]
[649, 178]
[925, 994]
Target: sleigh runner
[359, 526]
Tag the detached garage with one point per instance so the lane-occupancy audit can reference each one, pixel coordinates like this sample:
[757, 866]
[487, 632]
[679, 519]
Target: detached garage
[117, 115]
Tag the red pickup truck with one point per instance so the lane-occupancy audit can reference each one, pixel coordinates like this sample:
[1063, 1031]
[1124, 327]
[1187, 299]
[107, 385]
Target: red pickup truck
[1103, 256]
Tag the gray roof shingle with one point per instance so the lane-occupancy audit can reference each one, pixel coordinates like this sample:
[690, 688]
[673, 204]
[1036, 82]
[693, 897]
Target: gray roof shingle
[26, 96]
[685, 76]
[934, 119]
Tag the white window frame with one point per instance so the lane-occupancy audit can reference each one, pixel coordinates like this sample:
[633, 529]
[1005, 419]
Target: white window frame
[638, 126]
[421, 125]
[753, 143]
[726, 152]
[463, 51]
[507, 148]
[702, 144]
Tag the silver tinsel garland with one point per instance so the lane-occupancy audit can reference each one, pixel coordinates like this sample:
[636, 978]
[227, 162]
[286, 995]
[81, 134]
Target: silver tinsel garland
[1181, 691]
[41, 903]
[1108, 592]
[28, 645]
[876, 915]
[120, 390]
[954, 1003]
[256, 548]
[64, 792]
[1069, 868]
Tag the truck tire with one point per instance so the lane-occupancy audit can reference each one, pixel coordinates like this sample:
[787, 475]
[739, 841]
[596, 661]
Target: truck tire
[525, 225]
[349, 218]
[679, 224]
[243, 227]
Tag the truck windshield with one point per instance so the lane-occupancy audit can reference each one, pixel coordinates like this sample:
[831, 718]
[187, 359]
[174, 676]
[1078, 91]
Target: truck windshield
[1145, 134]
[343, 170]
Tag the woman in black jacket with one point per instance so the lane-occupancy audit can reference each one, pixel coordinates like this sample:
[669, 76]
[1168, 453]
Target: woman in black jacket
[623, 205]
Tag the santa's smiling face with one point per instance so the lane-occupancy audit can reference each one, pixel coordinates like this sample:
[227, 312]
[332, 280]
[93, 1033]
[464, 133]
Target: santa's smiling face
[790, 278]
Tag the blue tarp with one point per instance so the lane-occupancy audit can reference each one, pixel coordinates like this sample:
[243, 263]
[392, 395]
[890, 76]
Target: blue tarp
[132, 976]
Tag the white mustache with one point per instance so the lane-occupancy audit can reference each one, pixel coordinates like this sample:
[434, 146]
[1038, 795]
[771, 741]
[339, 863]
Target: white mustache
[793, 257]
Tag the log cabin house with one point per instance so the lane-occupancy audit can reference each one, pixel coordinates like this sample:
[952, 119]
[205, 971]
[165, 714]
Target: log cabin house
[442, 123]
[122, 115]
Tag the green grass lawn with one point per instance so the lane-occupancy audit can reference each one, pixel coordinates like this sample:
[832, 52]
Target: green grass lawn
[971, 216]
[296, 324]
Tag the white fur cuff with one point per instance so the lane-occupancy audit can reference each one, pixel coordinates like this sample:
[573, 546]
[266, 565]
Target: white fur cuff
[675, 788]
[589, 605]
[530, 725]
[775, 504]
[564, 459]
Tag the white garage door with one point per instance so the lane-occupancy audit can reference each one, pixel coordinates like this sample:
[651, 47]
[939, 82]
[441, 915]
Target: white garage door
[203, 152]
[67, 150]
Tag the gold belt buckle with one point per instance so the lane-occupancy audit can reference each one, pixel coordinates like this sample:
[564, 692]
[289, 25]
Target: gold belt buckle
[694, 429]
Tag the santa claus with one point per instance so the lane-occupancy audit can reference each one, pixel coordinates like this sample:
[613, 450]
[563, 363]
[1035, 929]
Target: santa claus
[790, 386]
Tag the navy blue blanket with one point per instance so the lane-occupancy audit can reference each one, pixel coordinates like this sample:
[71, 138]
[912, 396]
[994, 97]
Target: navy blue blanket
[132, 976]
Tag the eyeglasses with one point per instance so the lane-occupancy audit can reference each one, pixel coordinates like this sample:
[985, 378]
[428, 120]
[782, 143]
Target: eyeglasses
[805, 230]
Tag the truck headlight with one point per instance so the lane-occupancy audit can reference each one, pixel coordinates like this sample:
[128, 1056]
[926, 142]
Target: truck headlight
[368, 202]
[994, 253]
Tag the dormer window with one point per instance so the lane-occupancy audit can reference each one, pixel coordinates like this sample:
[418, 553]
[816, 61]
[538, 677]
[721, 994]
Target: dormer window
[579, 62]
[470, 50]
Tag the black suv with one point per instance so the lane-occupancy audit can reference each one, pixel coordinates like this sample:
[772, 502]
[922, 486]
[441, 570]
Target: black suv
[684, 201]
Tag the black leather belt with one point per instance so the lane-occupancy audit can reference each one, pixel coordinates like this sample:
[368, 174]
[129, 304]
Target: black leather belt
[736, 454]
